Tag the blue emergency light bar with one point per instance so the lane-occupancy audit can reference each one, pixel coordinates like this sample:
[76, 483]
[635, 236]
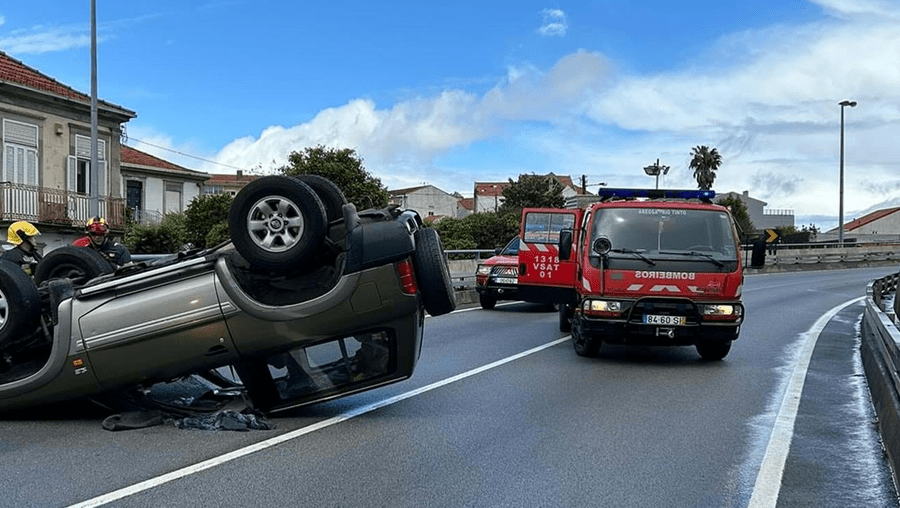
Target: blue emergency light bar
[703, 195]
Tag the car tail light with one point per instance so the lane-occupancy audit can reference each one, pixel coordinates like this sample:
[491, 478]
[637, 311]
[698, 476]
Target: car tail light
[407, 277]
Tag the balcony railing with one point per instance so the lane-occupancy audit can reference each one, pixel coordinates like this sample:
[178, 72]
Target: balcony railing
[54, 206]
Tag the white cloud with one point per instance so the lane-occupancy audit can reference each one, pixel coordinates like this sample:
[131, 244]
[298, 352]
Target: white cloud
[42, 39]
[553, 23]
[767, 99]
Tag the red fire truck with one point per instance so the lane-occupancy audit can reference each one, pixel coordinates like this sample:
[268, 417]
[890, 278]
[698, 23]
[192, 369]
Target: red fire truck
[639, 266]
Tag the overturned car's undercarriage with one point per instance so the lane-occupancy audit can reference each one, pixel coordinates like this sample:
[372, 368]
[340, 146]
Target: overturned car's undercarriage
[310, 300]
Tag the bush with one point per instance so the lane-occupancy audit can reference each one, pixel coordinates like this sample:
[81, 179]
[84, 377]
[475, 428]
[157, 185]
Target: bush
[167, 237]
[206, 213]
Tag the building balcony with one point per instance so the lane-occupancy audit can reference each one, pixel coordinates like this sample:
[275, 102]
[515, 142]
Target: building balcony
[54, 206]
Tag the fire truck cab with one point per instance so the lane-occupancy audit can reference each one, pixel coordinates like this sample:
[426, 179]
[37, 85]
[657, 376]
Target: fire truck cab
[640, 266]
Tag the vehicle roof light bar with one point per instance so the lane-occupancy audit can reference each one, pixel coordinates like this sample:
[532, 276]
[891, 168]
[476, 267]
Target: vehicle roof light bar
[702, 195]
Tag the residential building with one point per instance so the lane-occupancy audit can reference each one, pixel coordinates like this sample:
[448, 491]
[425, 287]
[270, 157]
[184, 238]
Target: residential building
[761, 217]
[489, 195]
[228, 184]
[880, 225]
[46, 169]
[431, 203]
[154, 187]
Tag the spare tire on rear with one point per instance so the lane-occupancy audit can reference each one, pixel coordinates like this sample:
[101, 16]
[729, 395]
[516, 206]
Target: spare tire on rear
[277, 223]
[432, 273]
[79, 264]
[20, 304]
[331, 195]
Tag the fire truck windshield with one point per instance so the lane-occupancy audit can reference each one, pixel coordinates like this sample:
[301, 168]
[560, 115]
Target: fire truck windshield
[666, 233]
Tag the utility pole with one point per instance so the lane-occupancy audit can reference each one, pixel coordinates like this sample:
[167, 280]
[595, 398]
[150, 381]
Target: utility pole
[583, 184]
[95, 164]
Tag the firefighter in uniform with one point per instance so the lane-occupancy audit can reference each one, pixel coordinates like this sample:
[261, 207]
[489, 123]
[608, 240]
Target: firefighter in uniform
[24, 251]
[97, 238]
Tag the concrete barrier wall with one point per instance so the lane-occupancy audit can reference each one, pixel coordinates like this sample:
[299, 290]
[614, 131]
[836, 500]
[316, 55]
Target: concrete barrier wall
[880, 351]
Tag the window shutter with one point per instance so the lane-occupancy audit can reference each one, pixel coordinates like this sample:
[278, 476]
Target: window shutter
[9, 162]
[31, 167]
[83, 148]
[71, 173]
[20, 165]
[20, 133]
[101, 179]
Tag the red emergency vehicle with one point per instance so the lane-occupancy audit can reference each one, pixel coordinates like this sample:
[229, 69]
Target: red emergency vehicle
[640, 266]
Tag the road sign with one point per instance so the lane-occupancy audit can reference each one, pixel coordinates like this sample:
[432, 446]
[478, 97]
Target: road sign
[772, 235]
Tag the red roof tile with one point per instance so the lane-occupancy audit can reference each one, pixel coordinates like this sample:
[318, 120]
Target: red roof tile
[871, 217]
[232, 180]
[134, 156]
[467, 203]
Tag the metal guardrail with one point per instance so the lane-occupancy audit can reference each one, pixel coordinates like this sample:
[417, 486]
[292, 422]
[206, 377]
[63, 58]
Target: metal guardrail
[880, 352]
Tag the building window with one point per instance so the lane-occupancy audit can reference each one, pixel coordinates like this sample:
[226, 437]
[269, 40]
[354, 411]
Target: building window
[79, 167]
[20, 153]
[172, 199]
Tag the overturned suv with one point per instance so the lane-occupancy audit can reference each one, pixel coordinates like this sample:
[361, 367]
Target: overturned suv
[310, 300]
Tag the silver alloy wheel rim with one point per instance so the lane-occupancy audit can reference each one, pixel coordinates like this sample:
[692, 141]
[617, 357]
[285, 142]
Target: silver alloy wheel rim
[4, 310]
[275, 224]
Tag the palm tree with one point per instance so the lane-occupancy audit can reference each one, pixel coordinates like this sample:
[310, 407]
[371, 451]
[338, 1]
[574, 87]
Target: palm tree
[705, 162]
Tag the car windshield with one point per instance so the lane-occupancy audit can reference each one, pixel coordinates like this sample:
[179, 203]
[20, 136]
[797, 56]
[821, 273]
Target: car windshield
[667, 232]
[512, 248]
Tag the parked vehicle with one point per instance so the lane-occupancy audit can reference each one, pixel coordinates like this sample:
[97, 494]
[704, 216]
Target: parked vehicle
[639, 267]
[497, 278]
[310, 300]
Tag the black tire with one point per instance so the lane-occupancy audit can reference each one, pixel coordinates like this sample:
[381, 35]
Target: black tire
[331, 195]
[487, 300]
[79, 264]
[432, 273]
[277, 222]
[20, 305]
[713, 349]
[585, 344]
[565, 314]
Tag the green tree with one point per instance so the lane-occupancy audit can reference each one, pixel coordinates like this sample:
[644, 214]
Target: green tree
[486, 230]
[739, 212]
[343, 167]
[531, 191]
[206, 213]
[705, 161]
[167, 237]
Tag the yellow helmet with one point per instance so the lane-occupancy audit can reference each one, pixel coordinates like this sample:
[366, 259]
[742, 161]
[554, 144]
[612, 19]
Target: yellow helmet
[20, 227]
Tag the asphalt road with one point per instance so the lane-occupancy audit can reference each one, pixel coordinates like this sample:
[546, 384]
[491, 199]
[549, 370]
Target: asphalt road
[501, 412]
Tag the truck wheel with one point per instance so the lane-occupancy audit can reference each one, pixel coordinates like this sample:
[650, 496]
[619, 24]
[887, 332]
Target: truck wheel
[585, 345]
[79, 264]
[713, 349]
[433, 273]
[331, 195]
[565, 314]
[20, 305]
[487, 300]
[277, 222]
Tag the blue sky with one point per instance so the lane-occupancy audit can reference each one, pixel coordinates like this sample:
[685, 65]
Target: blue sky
[453, 93]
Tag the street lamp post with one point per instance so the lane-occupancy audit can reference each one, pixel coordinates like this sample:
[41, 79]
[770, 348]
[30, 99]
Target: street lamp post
[843, 104]
[655, 170]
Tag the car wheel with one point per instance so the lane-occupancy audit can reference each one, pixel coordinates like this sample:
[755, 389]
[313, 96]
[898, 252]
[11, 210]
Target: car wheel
[20, 305]
[565, 314]
[713, 349]
[79, 264]
[277, 222]
[487, 300]
[585, 344]
[432, 273]
[331, 195]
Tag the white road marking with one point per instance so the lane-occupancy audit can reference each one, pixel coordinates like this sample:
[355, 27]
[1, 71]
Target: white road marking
[768, 481]
[242, 452]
